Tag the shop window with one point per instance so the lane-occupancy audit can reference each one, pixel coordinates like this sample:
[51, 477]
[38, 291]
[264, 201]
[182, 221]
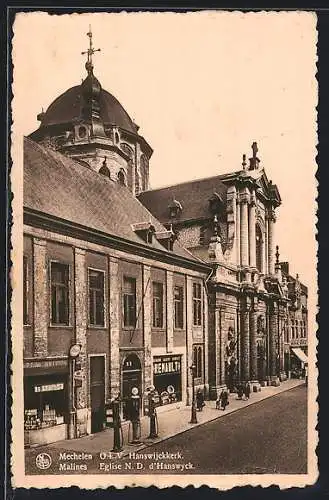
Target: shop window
[129, 302]
[197, 361]
[157, 305]
[96, 297]
[25, 291]
[167, 379]
[59, 275]
[178, 307]
[197, 304]
[45, 402]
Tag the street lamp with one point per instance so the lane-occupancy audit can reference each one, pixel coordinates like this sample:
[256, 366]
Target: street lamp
[74, 352]
[193, 407]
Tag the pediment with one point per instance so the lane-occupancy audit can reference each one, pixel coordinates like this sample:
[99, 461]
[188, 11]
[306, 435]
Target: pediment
[268, 189]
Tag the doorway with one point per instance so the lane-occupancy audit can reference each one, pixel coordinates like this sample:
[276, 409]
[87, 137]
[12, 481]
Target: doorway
[131, 377]
[97, 392]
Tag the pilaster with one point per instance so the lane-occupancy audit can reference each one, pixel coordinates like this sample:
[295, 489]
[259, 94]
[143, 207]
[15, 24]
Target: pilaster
[114, 315]
[147, 326]
[245, 343]
[41, 312]
[273, 338]
[170, 310]
[271, 239]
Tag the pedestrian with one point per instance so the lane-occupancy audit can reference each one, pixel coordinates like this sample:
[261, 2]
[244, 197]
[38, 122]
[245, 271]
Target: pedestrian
[247, 390]
[199, 400]
[224, 399]
[240, 391]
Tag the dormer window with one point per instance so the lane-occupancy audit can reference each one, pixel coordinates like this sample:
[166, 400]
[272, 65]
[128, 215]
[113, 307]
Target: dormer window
[144, 230]
[175, 209]
[104, 170]
[166, 238]
[215, 203]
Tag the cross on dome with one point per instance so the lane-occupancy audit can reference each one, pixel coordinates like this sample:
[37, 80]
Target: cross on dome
[89, 64]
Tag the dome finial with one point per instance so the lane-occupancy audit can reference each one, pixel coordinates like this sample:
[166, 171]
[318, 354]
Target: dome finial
[90, 52]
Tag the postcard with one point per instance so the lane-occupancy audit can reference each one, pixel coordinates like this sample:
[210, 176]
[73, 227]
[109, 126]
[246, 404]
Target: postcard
[164, 249]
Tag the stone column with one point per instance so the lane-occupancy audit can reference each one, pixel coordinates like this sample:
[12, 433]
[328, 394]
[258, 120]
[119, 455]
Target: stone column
[114, 315]
[253, 343]
[147, 325]
[237, 232]
[41, 311]
[264, 268]
[252, 232]
[271, 251]
[170, 311]
[244, 243]
[273, 337]
[81, 300]
[245, 344]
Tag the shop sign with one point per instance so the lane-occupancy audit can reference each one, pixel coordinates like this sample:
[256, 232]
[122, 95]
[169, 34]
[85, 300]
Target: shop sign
[49, 387]
[167, 364]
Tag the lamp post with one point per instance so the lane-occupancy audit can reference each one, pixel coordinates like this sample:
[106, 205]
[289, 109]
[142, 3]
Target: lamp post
[193, 407]
[73, 354]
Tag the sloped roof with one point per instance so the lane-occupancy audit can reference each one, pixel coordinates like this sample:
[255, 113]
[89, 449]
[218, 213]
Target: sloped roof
[57, 185]
[193, 196]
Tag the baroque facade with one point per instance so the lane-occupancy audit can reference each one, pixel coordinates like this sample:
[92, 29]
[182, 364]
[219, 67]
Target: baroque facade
[145, 282]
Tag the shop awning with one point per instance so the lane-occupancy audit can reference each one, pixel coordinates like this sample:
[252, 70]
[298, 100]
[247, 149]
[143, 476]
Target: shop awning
[300, 354]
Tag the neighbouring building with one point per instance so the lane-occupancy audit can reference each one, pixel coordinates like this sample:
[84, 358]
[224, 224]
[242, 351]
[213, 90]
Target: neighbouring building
[145, 282]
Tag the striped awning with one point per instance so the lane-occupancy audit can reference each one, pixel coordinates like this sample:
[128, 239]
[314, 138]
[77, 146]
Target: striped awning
[300, 354]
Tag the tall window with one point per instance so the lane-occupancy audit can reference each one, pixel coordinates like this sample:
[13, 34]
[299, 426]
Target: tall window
[96, 297]
[59, 276]
[157, 305]
[178, 307]
[197, 305]
[129, 301]
[197, 361]
[25, 291]
[259, 249]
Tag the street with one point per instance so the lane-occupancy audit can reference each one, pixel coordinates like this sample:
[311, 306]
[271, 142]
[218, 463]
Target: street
[266, 437]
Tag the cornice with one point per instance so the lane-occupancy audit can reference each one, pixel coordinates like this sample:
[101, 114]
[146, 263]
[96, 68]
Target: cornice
[51, 223]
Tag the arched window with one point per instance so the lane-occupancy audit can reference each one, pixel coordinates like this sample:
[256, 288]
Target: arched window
[122, 178]
[259, 249]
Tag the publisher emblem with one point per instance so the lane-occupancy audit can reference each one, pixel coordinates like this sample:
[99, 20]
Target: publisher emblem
[43, 461]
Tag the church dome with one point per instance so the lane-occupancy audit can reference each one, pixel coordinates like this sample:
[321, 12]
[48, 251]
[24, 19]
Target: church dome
[67, 109]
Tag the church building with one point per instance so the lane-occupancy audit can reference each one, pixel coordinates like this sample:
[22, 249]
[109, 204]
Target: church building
[124, 286]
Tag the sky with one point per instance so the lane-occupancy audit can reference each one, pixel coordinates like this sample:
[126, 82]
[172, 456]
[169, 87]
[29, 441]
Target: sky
[202, 87]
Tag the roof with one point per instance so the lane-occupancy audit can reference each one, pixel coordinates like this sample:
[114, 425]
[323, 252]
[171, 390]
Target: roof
[61, 187]
[67, 108]
[193, 196]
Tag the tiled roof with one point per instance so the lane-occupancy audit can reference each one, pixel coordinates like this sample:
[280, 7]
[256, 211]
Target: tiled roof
[193, 196]
[57, 185]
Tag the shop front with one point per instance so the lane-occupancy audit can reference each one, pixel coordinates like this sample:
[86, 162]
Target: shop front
[45, 408]
[167, 379]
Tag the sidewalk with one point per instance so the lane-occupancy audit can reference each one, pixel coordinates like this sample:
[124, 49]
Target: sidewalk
[171, 422]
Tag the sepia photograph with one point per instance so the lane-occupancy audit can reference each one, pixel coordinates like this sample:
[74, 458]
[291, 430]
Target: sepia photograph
[164, 249]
